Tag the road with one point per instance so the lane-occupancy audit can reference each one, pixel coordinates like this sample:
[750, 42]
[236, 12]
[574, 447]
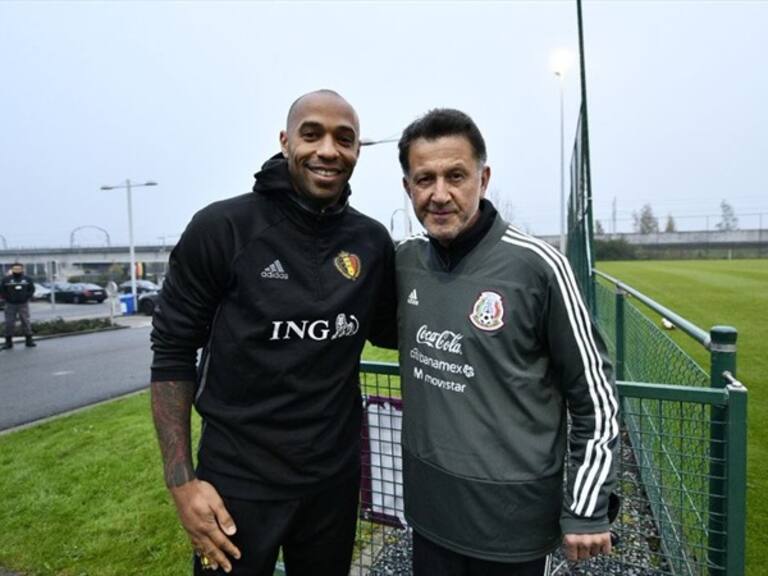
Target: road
[66, 373]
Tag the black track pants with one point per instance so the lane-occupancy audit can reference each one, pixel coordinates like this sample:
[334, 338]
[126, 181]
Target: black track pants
[316, 532]
[430, 559]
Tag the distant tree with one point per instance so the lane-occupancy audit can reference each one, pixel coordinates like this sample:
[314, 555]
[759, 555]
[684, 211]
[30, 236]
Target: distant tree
[614, 250]
[728, 219]
[599, 231]
[117, 272]
[644, 221]
[670, 227]
[504, 207]
[507, 211]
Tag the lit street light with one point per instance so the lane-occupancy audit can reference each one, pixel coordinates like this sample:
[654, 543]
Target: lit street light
[127, 187]
[560, 61]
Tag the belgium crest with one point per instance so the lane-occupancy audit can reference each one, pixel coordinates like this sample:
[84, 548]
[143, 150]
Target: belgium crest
[347, 264]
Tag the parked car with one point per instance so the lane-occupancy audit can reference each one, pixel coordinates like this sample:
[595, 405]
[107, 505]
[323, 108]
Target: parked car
[41, 292]
[79, 293]
[148, 301]
[142, 286]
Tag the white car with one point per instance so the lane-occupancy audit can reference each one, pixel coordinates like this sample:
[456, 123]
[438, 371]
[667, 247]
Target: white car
[41, 292]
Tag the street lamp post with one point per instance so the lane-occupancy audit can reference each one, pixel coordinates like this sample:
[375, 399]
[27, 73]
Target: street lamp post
[560, 62]
[560, 75]
[128, 184]
[406, 203]
[99, 228]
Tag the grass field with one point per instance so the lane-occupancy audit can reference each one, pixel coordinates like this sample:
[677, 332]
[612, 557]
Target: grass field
[735, 293]
[84, 495]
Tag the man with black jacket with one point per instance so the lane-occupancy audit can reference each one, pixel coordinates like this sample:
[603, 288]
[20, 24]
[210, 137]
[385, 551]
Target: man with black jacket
[17, 289]
[489, 381]
[280, 288]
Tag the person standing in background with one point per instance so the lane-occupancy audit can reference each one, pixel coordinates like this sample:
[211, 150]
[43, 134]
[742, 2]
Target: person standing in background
[17, 289]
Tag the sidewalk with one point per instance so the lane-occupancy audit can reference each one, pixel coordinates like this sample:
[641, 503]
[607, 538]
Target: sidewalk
[130, 321]
[134, 321]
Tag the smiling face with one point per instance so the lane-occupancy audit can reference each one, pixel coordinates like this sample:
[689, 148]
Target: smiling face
[445, 182]
[321, 143]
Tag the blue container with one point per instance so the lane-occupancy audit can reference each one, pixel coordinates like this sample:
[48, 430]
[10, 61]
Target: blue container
[126, 304]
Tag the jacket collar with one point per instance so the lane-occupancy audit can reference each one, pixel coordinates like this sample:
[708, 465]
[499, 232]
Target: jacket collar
[450, 256]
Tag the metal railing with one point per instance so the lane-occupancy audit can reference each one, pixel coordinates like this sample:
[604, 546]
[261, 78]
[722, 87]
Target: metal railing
[706, 535]
[683, 505]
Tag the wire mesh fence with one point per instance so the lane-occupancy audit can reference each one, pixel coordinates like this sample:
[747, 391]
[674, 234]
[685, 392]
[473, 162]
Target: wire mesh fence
[579, 240]
[669, 463]
[665, 523]
[649, 354]
[688, 455]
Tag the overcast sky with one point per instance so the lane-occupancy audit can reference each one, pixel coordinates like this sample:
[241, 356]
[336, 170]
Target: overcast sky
[194, 94]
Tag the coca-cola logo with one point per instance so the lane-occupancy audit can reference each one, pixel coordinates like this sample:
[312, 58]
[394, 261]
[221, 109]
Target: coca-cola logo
[445, 340]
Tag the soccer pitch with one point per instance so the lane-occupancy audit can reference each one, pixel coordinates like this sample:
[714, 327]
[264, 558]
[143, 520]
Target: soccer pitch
[735, 293]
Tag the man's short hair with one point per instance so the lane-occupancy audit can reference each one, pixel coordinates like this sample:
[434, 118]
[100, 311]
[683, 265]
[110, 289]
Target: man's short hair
[17, 264]
[295, 104]
[438, 123]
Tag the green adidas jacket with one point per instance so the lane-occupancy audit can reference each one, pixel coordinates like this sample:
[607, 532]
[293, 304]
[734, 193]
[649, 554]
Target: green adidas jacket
[494, 355]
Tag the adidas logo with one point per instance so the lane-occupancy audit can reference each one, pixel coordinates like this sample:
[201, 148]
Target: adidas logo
[275, 271]
[413, 298]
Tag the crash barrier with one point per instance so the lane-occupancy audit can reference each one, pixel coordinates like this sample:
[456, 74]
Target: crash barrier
[681, 469]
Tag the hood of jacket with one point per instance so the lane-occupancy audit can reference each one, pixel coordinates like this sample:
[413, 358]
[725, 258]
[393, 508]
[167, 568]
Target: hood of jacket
[274, 180]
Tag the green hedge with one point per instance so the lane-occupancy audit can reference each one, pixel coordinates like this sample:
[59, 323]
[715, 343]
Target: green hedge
[61, 326]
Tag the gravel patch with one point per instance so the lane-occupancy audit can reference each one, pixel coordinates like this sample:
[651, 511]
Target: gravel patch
[636, 554]
[395, 558]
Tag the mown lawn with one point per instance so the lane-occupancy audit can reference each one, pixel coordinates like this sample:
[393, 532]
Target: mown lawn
[84, 495]
[735, 293]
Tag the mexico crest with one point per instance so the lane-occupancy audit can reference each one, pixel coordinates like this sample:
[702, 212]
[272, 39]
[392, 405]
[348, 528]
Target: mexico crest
[488, 311]
[347, 264]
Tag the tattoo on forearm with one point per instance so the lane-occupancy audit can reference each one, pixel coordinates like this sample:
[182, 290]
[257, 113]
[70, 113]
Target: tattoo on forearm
[171, 408]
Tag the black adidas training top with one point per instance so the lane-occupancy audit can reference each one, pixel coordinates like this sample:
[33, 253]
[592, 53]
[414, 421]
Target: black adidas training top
[281, 297]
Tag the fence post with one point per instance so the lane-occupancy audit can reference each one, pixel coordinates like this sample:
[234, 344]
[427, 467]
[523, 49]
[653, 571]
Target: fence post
[620, 299]
[737, 479]
[722, 359]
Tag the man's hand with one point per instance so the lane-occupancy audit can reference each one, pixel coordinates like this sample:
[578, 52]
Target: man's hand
[200, 508]
[207, 522]
[585, 546]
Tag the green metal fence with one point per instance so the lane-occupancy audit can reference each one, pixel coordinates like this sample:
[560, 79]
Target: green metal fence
[684, 436]
[691, 457]
[683, 502]
[579, 244]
